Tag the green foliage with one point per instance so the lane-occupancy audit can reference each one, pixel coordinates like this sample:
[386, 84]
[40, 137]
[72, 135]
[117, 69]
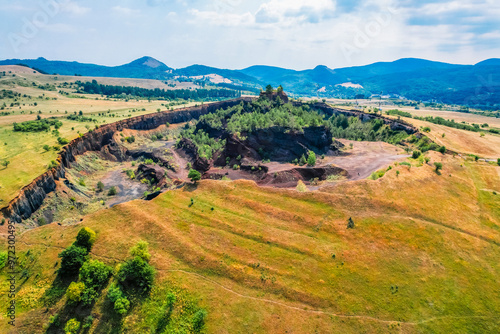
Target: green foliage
[112, 191]
[72, 326]
[398, 113]
[438, 166]
[46, 148]
[498, 161]
[426, 129]
[94, 274]
[130, 174]
[5, 163]
[141, 250]
[199, 320]
[377, 175]
[194, 175]
[442, 149]
[100, 186]
[350, 223]
[311, 159]
[81, 182]
[416, 154]
[120, 301]
[37, 125]
[3, 259]
[72, 259]
[62, 141]
[74, 291]
[302, 160]
[85, 238]
[301, 187]
[136, 274]
[130, 139]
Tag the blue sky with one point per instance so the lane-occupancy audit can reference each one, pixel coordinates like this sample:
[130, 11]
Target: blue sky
[296, 34]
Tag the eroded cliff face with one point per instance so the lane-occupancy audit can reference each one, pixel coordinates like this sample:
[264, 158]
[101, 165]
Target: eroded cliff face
[31, 197]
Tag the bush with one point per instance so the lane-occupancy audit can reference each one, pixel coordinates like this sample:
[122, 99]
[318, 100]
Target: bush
[72, 259]
[94, 274]
[46, 148]
[498, 161]
[100, 186]
[426, 129]
[416, 154]
[62, 141]
[438, 166]
[301, 186]
[85, 238]
[74, 291]
[112, 191]
[194, 175]
[136, 274]
[442, 149]
[141, 250]
[72, 326]
[311, 159]
[116, 296]
[199, 320]
[302, 160]
[350, 223]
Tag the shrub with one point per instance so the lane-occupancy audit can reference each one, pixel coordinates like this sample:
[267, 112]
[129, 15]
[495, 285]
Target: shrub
[350, 223]
[311, 158]
[302, 160]
[112, 191]
[85, 238]
[116, 296]
[194, 175]
[136, 274]
[62, 141]
[301, 186]
[416, 154]
[426, 129]
[199, 320]
[94, 274]
[72, 326]
[81, 182]
[141, 250]
[100, 186]
[438, 166]
[74, 291]
[498, 161]
[442, 149]
[46, 148]
[72, 259]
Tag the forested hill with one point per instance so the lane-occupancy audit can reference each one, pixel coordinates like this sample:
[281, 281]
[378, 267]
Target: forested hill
[417, 79]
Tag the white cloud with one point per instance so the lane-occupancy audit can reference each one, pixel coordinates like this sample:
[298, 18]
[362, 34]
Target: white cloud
[73, 8]
[288, 12]
[124, 11]
[222, 19]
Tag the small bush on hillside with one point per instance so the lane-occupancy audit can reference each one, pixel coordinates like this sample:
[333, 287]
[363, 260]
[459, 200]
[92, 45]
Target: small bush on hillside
[141, 250]
[120, 301]
[311, 159]
[350, 223]
[498, 161]
[72, 326]
[112, 191]
[85, 238]
[94, 274]
[199, 320]
[74, 291]
[136, 274]
[194, 175]
[438, 166]
[100, 186]
[416, 154]
[72, 259]
[301, 186]
[442, 149]
[302, 160]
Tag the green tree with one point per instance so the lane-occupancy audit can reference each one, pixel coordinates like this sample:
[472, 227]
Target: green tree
[46, 148]
[199, 320]
[136, 274]
[311, 158]
[72, 259]
[94, 274]
[194, 175]
[100, 186]
[442, 149]
[302, 160]
[350, 223]
[121, 303]
[6, 163]
[416, 154]
[72, 326]
[141, 250]
[74, 291]
[85, 238]
[498, 161]
[269, 89]
[112, 191]
[438, 166]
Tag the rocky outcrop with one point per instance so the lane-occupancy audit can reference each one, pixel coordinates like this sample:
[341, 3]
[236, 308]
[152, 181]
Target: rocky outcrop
[31, 197]
[153, 173]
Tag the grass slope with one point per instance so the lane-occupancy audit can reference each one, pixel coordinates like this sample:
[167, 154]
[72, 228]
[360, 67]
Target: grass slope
[422, 258]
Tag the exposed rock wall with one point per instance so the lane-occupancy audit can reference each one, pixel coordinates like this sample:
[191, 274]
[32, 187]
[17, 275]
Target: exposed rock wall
[31, 196]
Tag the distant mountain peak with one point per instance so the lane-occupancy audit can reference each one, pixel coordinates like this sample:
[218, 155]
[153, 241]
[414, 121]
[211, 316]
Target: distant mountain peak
[149, 62]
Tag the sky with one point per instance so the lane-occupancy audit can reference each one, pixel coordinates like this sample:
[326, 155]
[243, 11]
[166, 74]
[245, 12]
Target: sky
[297, 34]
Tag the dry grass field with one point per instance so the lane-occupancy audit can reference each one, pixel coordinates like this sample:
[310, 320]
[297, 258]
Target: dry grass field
[422, 258]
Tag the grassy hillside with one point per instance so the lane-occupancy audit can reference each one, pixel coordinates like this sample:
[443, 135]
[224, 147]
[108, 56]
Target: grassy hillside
[422, 258]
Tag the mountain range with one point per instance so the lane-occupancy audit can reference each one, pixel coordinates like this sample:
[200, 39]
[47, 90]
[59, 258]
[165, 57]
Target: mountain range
[417, 79]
